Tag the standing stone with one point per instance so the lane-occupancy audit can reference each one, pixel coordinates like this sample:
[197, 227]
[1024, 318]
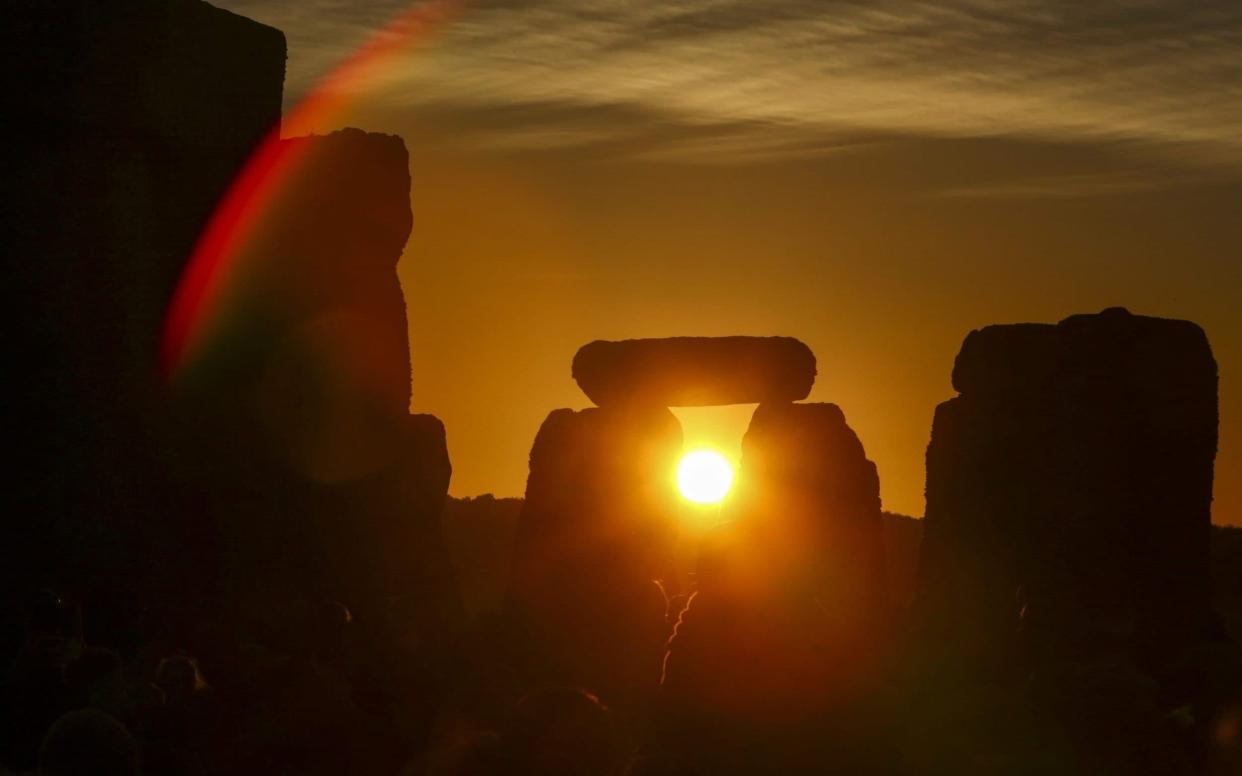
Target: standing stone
[304, 387]
[595, 535]
[791, 608]
[285, 456]
[125, 122]
[806, 477]
[1070, 485]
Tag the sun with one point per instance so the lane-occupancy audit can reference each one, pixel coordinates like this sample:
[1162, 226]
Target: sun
[704, 476]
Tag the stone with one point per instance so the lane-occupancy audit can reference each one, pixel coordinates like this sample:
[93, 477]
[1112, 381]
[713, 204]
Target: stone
[309, 373]
[1069, 489]
[595, 539]
[316, 280]
[479, 534]
[127, 124]
[806, 481]
[792, 593]
[695, 371]
[284, 461]
[382, 538]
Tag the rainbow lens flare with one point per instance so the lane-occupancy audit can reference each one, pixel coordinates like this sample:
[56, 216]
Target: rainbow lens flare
[212, 272]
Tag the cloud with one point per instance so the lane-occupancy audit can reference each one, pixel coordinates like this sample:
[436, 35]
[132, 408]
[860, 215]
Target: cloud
[1070, 186]
[1165, 74]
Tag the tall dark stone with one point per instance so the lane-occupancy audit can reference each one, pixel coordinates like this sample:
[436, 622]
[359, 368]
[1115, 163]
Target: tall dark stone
[595, 533]
[1070, 484]
[126, 122]
[284, 455]
[791, 612]
[807, 479]
[304, 387]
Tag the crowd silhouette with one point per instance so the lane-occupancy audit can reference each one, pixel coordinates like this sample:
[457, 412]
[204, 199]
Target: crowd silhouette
[747, 688]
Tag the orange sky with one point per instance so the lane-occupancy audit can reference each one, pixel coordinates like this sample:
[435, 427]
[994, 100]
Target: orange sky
[516, 262]
[876, 185]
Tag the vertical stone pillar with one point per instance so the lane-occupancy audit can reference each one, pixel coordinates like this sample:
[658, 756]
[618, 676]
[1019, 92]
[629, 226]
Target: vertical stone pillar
[324, 484]
[1070, 484]
[126, 124]
[595, 535]
[791, 608]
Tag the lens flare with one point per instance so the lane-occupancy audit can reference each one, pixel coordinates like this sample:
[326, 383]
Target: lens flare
[204, 282]
[704, 477]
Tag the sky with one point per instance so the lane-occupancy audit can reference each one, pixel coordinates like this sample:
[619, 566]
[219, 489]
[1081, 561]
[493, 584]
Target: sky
[874, 178]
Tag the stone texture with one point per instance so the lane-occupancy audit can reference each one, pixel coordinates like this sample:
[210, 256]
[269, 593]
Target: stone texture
[1070, 485]
[595, 531]
[695, 371]
[792, 593]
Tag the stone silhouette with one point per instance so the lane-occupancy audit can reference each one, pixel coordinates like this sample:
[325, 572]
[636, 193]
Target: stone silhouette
[1070, 484]
[595, 534]
[127, 123]
[285, 460]
[479, 534]
[307, 382]
[695, 371]
[792, 593]
[796, 581]
[807, 479]
[595, 556]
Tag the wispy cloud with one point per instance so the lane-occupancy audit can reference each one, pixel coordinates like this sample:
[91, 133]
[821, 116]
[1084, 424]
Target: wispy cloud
[1069, 186]
[1165, 74]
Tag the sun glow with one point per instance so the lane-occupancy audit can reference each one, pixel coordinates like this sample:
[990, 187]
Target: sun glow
[704, 476]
